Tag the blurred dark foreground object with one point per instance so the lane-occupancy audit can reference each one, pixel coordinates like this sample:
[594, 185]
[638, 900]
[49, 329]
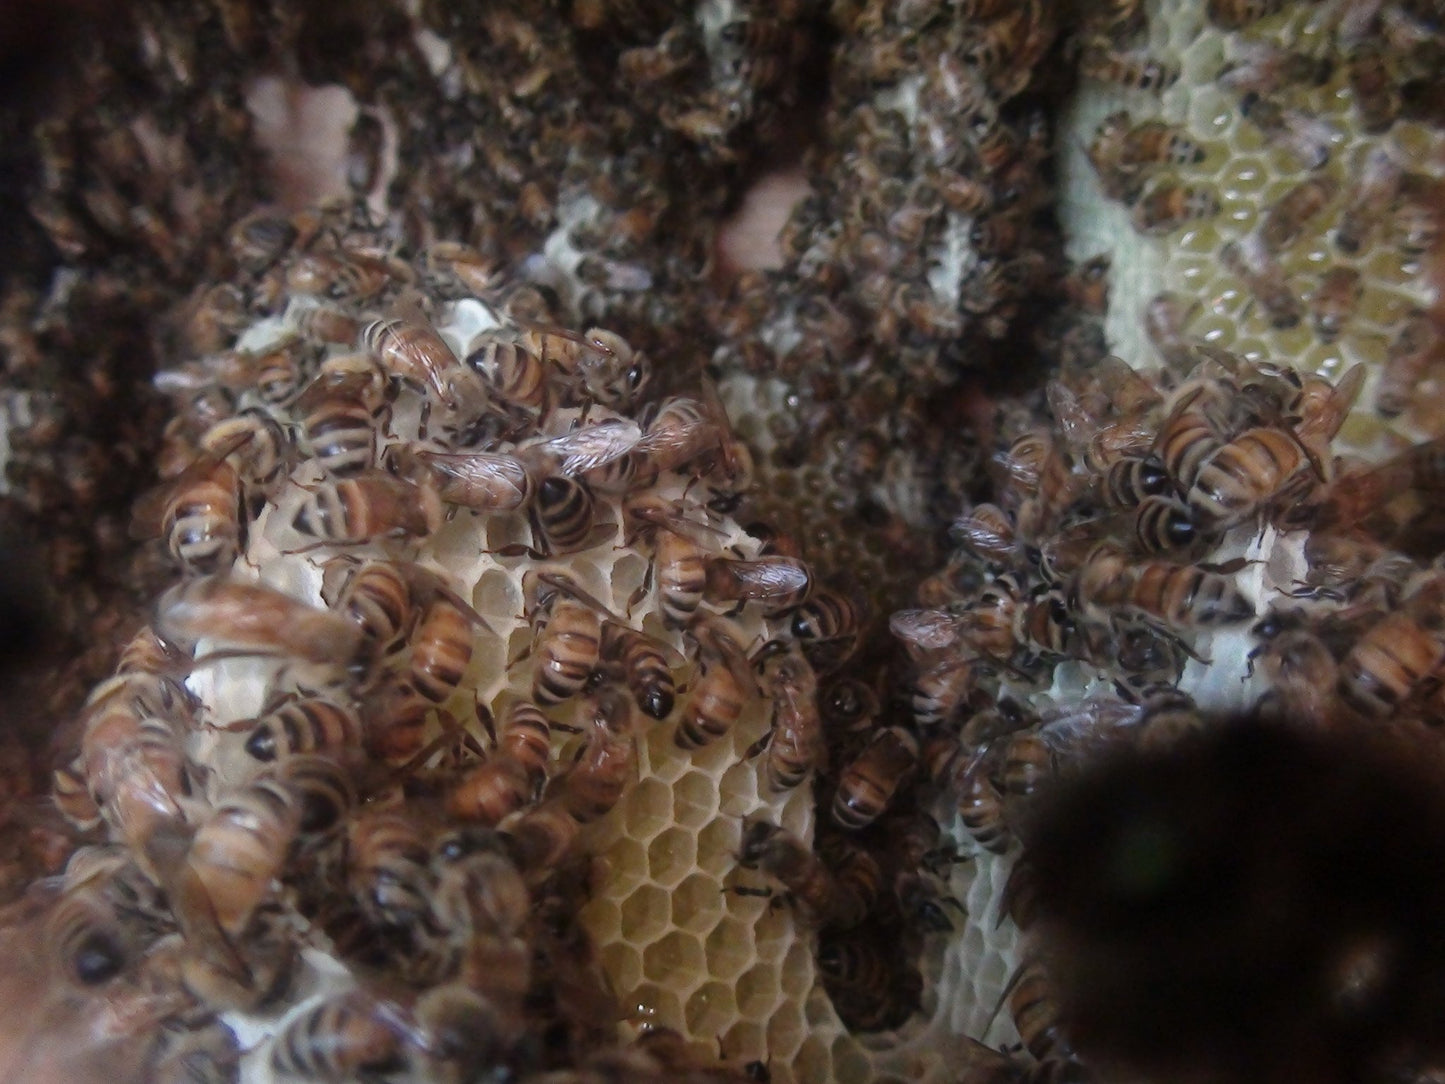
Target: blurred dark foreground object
[1255, 904]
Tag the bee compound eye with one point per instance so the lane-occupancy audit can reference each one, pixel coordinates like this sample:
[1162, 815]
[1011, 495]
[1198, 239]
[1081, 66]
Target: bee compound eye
[98, 959]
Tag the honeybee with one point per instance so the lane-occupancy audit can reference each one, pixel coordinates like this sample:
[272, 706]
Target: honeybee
[1251, 262]
[388, 868]
[72, 798]
[1303, 136]
[685, 429]
[479, 892]
[1375, 188]
[564, 517]
[671, 54]
[1135, 71]
[1035, 1013]
[136, 772]
[512, 373]
[1169, 205]
[1236, 14]
[721, 692]
[237, 853]
[869, 781]
[605, 366]
[512, 776]
[375, 596]
[452, 268]
[322, 323]
[542, 836]
[441, 647]
[965, 773]
[352, 277]
[679, 561]
[1417, 346]
[84, 932]
[1087, 284]
[1416, 223]
[794, 742]
[585, 449]
[1265, 68]
[567, 635]
[412, 352]
[780, 583]
[1365, 497]
[323, 789]
[253, 443]
[200, 514]
[148, 675]
[827, 627]
[339, 414]
[367, 506]
[1389, 662]
[595, 783]
[1377, 98]
[1300, 668]
[1121, 152]
[1285, 220]
[481, 481]
[870, 986]
[643, 663]
[988, 532]
[1245, 474]
[260, 239]
[833, 900]
[1179, 595]
[339, 1038]
[1165, 525]
[947, 686]
[1131, 479]
[1334, 302]
[310, 725]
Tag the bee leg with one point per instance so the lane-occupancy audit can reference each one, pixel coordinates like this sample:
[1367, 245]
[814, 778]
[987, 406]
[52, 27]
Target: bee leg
[642, 591]
[759, 745]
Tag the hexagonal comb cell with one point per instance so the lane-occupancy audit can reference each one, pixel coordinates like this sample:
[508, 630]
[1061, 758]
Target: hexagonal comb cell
[671, 856]
[729, 950]
[710, 1008]
[645, 915]
[697, 903]
[675, 962]
[758, 990]
[694, 800]
[648, 809]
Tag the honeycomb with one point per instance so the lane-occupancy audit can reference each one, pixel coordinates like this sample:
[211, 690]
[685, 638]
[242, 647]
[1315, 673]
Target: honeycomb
[1249, 173]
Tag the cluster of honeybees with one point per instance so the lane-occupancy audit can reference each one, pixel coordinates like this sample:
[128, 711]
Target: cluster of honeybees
[924, 235]
[1133, 534]
[1377, 59]
[319, 742]
[514, 130]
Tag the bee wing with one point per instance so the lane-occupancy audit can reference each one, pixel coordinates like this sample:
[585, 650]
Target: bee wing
[487, 481]
[673, 657]
[1076, 422]
[762, 578]
[564, 582]
[930, 630]
[588, 448]
[200, 926]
